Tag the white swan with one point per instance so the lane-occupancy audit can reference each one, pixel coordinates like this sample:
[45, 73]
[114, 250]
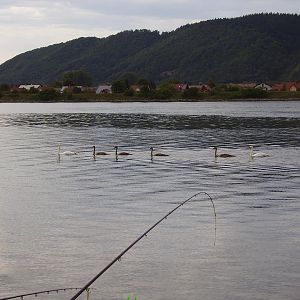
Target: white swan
[224, 155]
[257, 154]
[68, 153]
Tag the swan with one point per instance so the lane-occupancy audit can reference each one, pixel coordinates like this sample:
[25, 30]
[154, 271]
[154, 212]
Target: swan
[224, 155]
[157, 154]
[68, 153]
[98, 153]
[121, 153]
[257, 154]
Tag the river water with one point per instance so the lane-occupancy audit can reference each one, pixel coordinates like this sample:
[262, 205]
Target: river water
[62, 221]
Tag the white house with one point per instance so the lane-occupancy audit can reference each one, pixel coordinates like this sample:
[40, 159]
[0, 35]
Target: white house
[67, 88]
[264, 87]
[104, 89]
[27, 87]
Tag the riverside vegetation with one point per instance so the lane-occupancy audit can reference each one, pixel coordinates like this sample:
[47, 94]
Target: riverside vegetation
[164, 92]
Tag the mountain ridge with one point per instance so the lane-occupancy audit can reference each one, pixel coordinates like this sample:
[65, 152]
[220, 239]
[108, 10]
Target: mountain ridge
[258, 47]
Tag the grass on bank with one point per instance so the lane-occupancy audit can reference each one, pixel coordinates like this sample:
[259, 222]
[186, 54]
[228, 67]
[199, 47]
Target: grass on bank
[215, 95]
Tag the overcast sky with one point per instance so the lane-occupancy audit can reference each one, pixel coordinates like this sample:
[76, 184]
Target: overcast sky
[29, 24]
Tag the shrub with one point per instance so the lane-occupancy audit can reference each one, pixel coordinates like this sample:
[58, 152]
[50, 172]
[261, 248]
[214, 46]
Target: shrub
[191, 93]
[165, 92]
[77, 77]
[119, 86]
[254, 93]
[76, 90]
[48, 95]
[146, 91]
[4, 87]
[129, 92]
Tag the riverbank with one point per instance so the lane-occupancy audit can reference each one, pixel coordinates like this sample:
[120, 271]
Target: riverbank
[26, 97]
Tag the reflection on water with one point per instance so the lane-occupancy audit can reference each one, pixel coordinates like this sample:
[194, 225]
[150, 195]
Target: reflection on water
[60, 223]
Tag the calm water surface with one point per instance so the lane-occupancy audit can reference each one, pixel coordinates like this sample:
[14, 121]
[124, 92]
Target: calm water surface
[62, 221]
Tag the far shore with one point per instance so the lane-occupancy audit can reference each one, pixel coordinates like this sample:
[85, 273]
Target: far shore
[144, 100]
[163, 95]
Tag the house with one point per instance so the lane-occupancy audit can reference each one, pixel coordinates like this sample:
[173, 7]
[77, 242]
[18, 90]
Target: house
[67, 88]
[264, 87]
[293, 86]
[104, 89]
[203, 88]
[180, 87]
[136, 88]
[28, 87]
[250, 85]
[278, 87]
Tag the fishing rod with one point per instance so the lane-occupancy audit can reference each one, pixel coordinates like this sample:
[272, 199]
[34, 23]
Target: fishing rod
[42, 292]
[118, 258]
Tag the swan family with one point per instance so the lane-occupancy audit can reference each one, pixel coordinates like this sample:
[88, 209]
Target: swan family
[160, 154]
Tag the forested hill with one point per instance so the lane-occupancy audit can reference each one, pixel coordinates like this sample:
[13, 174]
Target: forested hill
[260, 47]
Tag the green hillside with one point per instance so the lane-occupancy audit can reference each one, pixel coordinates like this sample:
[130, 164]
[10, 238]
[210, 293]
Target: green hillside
[260, 47]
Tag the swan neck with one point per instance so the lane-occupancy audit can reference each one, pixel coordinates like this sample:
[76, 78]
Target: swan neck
[251, 151]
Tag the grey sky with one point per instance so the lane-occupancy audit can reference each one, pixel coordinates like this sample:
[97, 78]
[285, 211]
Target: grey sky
[29, 24]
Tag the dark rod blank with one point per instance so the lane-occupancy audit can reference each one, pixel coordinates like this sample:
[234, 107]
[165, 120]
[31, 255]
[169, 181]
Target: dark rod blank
[138, 239]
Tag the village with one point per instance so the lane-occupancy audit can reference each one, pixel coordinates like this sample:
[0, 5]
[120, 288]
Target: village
[144, 90]
[179, 87]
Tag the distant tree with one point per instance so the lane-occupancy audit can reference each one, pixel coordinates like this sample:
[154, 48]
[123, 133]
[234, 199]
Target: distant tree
[129, 92]
[145, 91]
[165, 91]
[48, 95]
[73, 78]
[147, 87]
[76, 90]
[130, 77]
[211, 84]
[143, 81]
[174, 81]
[152, 85]
[57, 84]
[119, 86]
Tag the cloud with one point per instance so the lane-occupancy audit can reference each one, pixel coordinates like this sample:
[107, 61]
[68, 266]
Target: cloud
[28, 24]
